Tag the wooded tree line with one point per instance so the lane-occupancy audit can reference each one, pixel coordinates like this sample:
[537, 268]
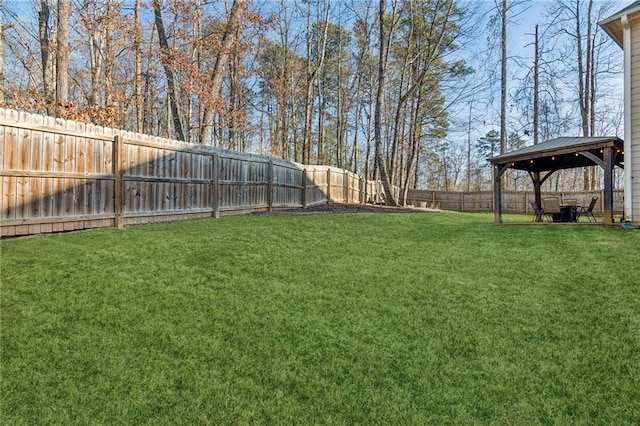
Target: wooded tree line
[399, 89]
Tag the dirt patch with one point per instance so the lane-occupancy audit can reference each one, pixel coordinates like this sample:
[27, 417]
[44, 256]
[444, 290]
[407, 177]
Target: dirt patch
[345, 208]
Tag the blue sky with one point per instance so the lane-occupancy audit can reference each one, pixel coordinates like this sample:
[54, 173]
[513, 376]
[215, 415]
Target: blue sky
[520, 45]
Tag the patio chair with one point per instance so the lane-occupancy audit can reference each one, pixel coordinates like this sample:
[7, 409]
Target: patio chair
[538, 212]
[588, 211]
[551, 208]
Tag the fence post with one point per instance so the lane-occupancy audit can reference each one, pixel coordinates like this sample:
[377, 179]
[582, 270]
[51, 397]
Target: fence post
[328, 184]
[270, 186]
[363, 190]
[118, 195]
[462, 201]
[304, 188]
[215, 186]
[345, 183]
[244, 197]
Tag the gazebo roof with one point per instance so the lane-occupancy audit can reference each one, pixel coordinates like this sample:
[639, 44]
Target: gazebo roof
[561, 153]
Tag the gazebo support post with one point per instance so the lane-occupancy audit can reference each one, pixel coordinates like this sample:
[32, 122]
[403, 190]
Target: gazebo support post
[497, 196]
[498, 171]
[607, 203]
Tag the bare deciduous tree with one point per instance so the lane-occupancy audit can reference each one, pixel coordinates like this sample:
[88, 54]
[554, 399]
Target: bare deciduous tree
[229, 38]
[168, 61]
[384, 42]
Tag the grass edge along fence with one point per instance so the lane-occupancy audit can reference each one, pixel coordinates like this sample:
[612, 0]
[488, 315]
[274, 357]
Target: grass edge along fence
[61, 175]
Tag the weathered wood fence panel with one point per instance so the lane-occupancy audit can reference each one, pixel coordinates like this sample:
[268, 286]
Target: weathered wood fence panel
[316, 186]
[59, 175]
[287, 185]
[55, 180]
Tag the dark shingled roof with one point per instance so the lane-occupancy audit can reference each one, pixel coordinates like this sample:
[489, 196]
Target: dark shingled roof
[559, 153]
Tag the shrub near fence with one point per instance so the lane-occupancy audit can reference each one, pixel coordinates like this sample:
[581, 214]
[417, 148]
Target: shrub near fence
[62, 175]
[514, 202]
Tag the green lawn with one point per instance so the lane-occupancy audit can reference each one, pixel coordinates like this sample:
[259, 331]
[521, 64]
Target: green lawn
[346, 319]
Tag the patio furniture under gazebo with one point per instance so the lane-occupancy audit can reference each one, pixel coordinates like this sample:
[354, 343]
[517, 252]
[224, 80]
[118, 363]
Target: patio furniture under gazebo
[542, 160]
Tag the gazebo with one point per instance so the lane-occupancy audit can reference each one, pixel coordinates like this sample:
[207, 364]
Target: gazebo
[544, 159]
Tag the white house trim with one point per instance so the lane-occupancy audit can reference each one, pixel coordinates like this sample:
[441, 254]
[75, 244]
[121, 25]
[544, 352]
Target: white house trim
[628, 183]
[624, 28]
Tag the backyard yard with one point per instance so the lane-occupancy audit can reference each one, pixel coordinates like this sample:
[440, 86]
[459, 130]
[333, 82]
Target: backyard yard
[325, 319]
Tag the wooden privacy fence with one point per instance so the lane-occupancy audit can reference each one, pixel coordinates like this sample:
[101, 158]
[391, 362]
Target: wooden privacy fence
[512, 201]
[59, 175]
[62, 175]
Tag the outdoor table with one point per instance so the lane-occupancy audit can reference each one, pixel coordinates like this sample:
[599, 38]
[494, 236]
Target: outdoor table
[568, 213]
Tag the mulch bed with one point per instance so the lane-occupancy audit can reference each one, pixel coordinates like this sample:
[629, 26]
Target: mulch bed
[345, 208]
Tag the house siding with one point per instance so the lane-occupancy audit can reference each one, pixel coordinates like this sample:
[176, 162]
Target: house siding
[635, 164]
[632, 162]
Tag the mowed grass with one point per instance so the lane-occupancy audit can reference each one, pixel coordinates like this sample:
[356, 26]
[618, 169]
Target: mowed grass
[336, 319]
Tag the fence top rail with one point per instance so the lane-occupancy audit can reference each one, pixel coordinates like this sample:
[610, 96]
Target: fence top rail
[325, 168]
[55, 130]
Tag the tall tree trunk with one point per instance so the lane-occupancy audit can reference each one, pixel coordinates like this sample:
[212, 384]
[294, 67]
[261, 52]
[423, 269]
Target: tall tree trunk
[286, 94]
[416, 170]
[167, 63]
[151, 121]
[536, 90]
[196, 37]
[469, 149]
[592, 107]
[367, 161]
[339, 106]
[229, 38]
[137, 51]
[590, 95]
[44, 33]
[583, 85]
[62, 57]
[503, 80]
[95, 44]
[322, 101]
[235, 93]
[395, 140]
[109, 60]
[354, 152]
[356, 125]
[2, 97]
[382, 68]
[308, 95]
[415, 137]
[95, 61]
[312, 74]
